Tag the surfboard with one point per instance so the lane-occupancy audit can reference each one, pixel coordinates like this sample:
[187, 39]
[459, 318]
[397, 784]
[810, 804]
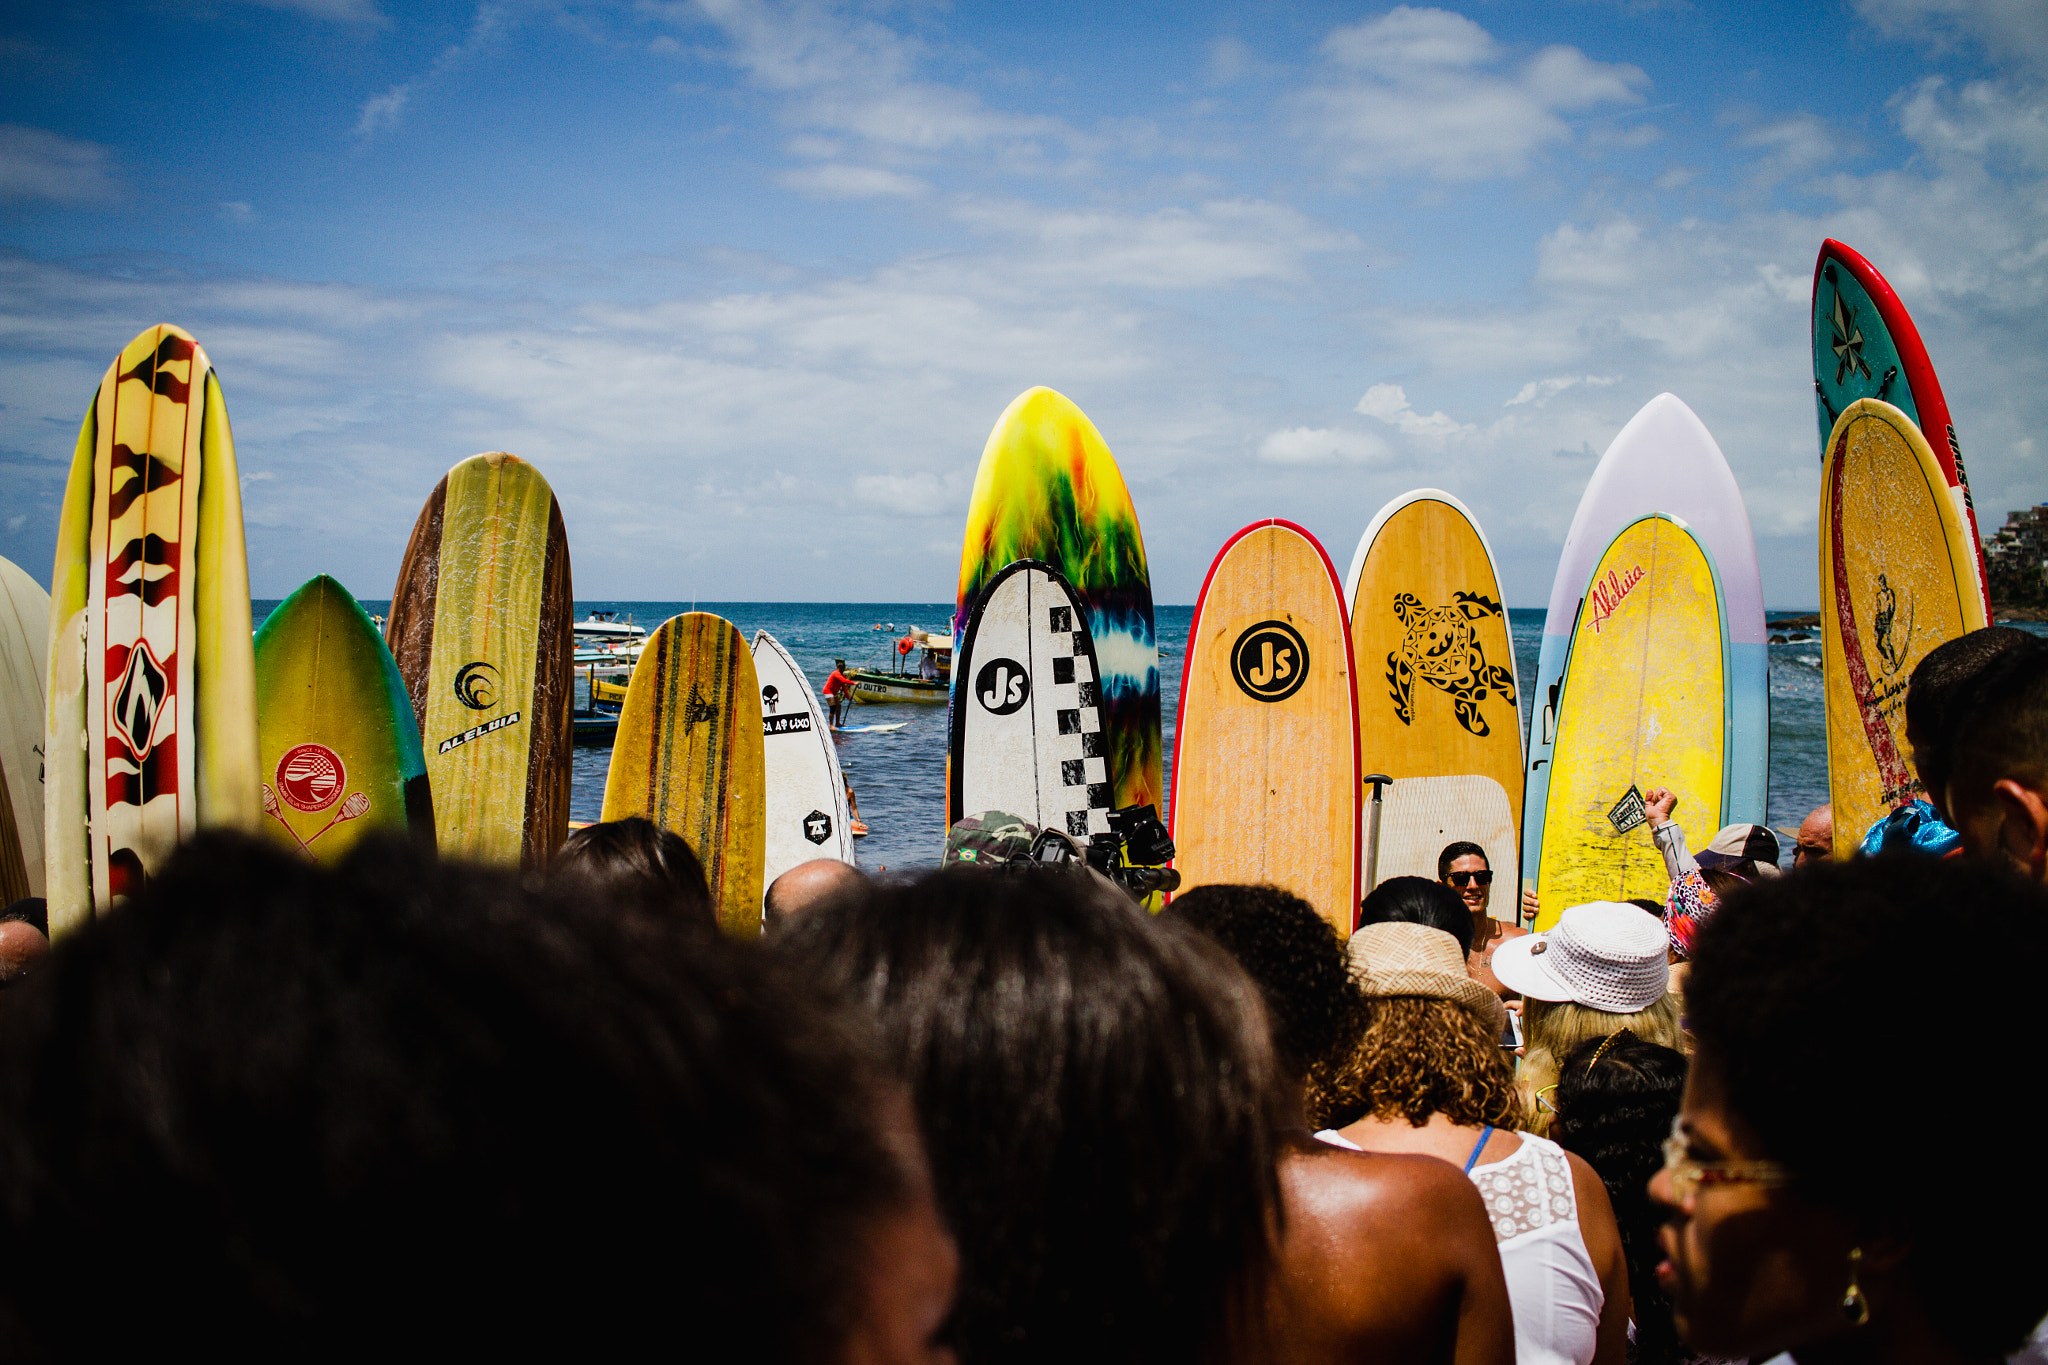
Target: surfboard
[481, 629]
[1645, 703]
[151, 695]
[24, 672]
[1866, 346]
[1897, 578]
[805, 813]
[689, 756]
[1027, 732]
[1049, 490]
[1663, 460]
[341, 750]
[869, 729]
[1437, 699]
[1265, 749]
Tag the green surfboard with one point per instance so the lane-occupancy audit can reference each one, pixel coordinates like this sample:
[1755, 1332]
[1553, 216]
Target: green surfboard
[341, 749]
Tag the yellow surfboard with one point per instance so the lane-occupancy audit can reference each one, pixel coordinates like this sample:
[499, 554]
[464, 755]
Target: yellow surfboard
[1644, 704]
[1265, 757]
[1437, 705]
[688, 756]
[1897, 578]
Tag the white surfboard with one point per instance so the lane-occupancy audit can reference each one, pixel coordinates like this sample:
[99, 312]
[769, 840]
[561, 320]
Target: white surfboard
[24, 667]
[1421, 815]
[1027, 725]
[806, 796]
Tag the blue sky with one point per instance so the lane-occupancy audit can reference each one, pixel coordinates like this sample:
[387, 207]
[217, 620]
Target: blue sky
[751, 281]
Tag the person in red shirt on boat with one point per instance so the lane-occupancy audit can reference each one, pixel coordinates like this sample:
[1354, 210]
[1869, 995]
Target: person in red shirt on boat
[838, 691]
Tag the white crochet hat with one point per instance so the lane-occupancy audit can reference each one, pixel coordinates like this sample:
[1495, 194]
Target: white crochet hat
[1606, 955]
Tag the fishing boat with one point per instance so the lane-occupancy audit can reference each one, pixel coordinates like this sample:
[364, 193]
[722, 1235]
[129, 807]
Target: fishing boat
[606, 626]
[929, 680]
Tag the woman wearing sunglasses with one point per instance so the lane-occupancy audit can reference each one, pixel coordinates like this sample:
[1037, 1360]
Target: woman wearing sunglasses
[1795, 1225]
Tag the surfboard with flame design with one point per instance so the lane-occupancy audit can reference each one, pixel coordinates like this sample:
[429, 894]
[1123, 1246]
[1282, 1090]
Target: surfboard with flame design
[151, 725]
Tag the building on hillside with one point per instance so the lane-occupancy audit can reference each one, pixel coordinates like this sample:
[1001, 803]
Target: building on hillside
[2016, 559]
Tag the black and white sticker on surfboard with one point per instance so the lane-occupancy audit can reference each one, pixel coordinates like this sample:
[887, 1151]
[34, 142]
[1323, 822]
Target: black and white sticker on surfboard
[1027, 721]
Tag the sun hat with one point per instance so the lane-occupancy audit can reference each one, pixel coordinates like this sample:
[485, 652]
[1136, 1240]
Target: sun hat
[1742, 844]
[1414, 959]
[1606, 954]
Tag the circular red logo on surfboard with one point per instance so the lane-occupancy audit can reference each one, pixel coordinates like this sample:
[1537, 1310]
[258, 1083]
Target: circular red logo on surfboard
[310, 777]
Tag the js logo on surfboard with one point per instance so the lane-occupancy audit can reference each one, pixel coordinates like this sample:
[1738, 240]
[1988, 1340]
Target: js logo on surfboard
[1269, 661]
[1001, 686]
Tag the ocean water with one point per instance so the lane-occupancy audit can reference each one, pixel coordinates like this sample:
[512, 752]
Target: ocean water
[899, 778]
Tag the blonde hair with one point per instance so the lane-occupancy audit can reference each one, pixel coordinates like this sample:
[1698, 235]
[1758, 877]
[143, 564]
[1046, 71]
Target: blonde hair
[1554, 1028]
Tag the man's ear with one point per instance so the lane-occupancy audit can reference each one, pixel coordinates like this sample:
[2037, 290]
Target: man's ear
[2023, 833]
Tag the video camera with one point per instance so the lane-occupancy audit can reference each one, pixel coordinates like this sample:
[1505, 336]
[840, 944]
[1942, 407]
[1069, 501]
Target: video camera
[1129, 854]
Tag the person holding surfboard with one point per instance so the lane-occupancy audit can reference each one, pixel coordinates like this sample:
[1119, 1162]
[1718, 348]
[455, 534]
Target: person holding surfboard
[838, 690]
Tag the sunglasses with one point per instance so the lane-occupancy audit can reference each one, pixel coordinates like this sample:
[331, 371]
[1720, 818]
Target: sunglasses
[1688, 1175]
[1471, 878]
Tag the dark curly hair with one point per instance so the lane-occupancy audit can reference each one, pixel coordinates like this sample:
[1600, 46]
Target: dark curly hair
[1783, 977]
[1418, 900]
[1616, 1113]
[1421, 1056]
[1302, 971]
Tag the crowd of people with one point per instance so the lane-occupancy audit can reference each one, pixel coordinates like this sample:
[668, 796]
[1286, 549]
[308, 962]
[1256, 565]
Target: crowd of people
[1000, 1112]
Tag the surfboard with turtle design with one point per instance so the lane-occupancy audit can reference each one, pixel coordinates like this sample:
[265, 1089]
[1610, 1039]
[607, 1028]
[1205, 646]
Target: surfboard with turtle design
[1898, 576]
[151, 722]
[481, 629]
[24, 674]
[341, 750]
[689, 756]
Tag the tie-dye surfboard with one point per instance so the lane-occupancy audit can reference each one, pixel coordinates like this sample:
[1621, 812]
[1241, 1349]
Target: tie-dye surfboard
[1048, 489]
[152, 696]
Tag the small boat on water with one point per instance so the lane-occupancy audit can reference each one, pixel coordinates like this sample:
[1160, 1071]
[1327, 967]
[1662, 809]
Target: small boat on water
[606, 626]
[931, 680]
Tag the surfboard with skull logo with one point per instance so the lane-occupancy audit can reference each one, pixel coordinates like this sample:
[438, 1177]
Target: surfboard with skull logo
[805, 792]
[151, 721]
[1437, 702]
[481, 629]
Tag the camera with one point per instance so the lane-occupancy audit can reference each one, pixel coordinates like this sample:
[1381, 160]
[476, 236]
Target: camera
[1129, 854]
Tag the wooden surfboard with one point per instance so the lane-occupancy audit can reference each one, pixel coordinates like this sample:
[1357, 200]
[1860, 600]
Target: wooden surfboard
[1437, 702]
[1049, 490]
[1265, 751]
[152, 698]
[1027, 724]
[689, 756]
[481, 629]
[1898, 568]
[805, 801]
[341, 750]
[1866, 346]
[1663, 460]
[1645, 703]
[24, 673]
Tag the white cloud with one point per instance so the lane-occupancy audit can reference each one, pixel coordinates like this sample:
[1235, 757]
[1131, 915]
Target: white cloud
[1541, 391]
[2006, 30]
[914, 495]
[1981, 121]
[39, 165]
[1220, 243]
[236, 211]
[338, 11]
[853, 182]
[379, 112]
[1322, 445]
[1429, 92]
[1389, 404]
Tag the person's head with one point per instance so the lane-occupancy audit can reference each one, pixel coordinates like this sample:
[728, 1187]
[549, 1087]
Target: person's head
[1995, 793]
[1463, 867]
[1418, 900]
[1799, 1196]
[22, 949]
[294, 1111]
[1942, 675]
[1303, 975]
[806, 886]
[639, 859]
[1098, 1093]
[1816, 837]
[1747, 851]
[1432, 1038]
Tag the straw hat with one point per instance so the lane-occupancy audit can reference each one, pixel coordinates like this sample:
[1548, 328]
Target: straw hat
[1606, 955]
[1414, 959]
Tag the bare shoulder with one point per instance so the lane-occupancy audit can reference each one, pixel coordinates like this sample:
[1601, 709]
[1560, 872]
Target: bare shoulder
[1381, 1189]
[1511, 930]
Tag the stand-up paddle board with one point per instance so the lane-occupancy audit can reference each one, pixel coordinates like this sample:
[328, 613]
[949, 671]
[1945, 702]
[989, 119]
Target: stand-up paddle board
[888, 729]
[341, 750]
[1664, 460]
[1866, 346]
[806, 815]
[481, 628]
[152, 699]
[689, 756]
[1265, 751]
[24, 672]
[1897, 578]
[1049, 490]
[1027, 719]
[1437, 703]
[1644, 703]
